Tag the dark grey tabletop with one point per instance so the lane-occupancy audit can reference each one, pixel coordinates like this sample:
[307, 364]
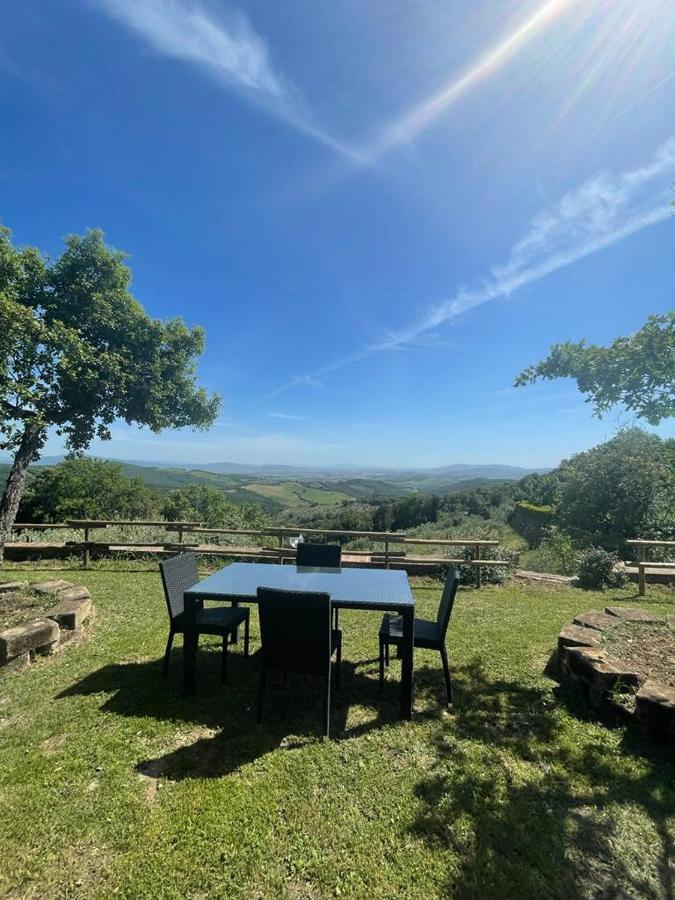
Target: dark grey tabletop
[364, 588]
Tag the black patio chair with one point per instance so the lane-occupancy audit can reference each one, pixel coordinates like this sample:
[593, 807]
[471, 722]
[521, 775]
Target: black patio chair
[324, 556]
[428, 635]
[296, 636]
[327, 556]
[180, 573]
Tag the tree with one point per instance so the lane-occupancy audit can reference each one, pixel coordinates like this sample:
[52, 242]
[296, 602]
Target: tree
[77, 351]
[84, 488]
[619, 490]
[637, 371]
[207, 505]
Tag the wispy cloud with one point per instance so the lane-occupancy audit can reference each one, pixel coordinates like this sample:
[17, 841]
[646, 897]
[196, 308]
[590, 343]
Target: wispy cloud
[601, 212]
[290, 417]
[227, 49]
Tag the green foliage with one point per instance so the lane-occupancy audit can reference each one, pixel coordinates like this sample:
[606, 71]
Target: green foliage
[489, 574]
[86, 488]
[531, 521]
[556, 553]
[538, 489]
[209, 506]
[619, 490]
[599, 569]
[77, 350]
[637, 371]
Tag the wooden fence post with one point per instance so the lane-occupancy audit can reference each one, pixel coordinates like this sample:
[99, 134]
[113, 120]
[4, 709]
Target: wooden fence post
[642, 560]
[479, 571]
[386, 553]
[86, 549]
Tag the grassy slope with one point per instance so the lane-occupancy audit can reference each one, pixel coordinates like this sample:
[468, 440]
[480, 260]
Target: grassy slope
[514, 794]
[294, 493]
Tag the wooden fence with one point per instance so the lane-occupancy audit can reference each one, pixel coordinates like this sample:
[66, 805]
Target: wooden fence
[187, 532]
[650, 567]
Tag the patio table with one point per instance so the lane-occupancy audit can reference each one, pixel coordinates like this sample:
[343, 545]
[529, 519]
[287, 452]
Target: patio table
[370, 589]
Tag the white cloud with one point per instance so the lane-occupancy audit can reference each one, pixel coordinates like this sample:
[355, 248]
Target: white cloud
[601, 212]
[228, 50]
[287, 416]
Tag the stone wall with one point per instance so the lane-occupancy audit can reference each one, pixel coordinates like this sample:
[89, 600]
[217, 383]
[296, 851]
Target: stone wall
[45, 634]
[581, 659]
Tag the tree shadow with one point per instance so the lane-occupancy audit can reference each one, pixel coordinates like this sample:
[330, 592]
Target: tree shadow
[530, 810]
[224, 735]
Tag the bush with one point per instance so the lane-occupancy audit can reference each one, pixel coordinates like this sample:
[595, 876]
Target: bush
[490, 574]
[555, 554]
[599, 568]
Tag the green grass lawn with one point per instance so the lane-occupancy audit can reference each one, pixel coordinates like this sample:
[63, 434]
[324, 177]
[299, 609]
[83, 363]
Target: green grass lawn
[114, 784]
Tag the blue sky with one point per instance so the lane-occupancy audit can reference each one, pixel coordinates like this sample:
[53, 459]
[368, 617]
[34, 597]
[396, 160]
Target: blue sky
[381, 212]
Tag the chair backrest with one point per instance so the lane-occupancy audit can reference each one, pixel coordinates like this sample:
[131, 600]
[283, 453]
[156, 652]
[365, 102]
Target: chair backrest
[328, 556]
[448, 599]
[178, 574]
[295, 630]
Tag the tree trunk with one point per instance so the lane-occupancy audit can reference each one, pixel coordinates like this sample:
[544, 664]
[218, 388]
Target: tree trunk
[28, 450]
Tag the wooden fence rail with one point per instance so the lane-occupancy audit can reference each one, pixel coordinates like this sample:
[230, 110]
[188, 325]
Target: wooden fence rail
[388, 558]
[644, 564]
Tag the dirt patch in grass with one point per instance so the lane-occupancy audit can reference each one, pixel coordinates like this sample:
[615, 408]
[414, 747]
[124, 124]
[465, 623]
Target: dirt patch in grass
[647, 648]
[17, 608]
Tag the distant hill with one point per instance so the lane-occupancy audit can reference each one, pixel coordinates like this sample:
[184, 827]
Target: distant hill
[276, 488]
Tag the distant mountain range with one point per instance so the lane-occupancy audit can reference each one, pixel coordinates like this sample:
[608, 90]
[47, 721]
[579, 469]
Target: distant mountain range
[450, 473]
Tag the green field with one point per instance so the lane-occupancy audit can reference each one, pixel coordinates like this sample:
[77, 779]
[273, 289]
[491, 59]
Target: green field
[294, 493]
[112, 783]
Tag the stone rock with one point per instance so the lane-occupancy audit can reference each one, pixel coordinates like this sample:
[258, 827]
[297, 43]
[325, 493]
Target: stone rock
[70, 614]
[632, 615]
[671, 621]
[576, 636]
[596, 619]
[597, 671]
[656, 707]
[23, 638]
[17, 664]
[7, 587]
[76, 593]
[51, 587]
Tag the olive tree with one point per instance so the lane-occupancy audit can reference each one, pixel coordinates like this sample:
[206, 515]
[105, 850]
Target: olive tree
[78, 351]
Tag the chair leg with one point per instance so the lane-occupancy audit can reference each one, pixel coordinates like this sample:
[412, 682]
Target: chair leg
[382, 651]
[167, 654]
[446, 672]
[386, 653]
[247, 634]
[223, 671]
[261, 693]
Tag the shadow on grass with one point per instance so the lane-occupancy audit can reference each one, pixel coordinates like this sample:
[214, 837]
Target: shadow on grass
[530, 808]
[225, 735]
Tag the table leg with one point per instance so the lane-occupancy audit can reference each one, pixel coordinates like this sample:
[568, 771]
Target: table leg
[235, 633]
[407, 664]
[190, 642]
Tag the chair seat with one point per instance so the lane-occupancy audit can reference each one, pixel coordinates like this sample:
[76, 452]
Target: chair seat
[426, 634]
[215, 619]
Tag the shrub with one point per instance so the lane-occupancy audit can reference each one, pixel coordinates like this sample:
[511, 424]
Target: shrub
[599, 568]
[490, 574]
